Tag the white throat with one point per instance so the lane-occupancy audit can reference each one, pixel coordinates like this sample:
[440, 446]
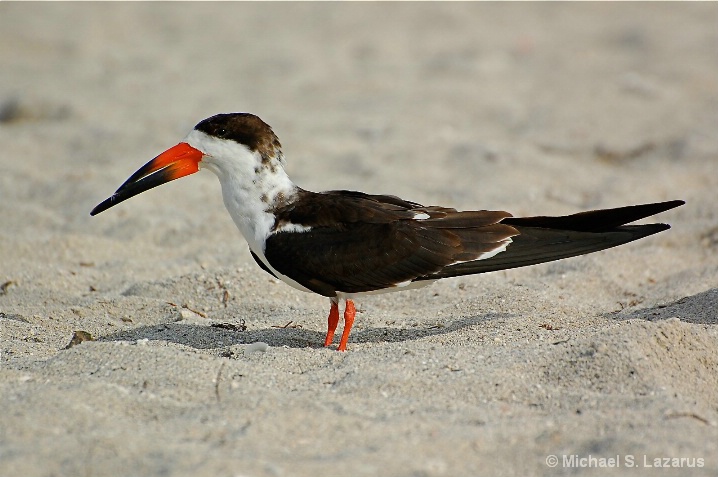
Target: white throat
[251, 185]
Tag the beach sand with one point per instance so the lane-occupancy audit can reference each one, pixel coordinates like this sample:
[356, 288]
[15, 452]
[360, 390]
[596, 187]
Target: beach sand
[540, 109]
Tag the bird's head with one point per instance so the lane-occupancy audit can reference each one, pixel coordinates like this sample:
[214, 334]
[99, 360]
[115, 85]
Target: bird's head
[230, 145]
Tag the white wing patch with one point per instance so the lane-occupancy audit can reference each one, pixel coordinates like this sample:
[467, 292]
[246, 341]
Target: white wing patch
[502, 248]
[421, 216]
[290, 227]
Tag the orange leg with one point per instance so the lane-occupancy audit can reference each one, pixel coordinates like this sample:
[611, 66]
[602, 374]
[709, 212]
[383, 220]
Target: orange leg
[333, 321]
[349, 312]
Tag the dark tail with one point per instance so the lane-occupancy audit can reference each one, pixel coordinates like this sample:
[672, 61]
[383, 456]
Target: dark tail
[544, 239]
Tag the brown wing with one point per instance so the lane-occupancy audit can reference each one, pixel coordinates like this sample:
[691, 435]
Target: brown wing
[360, 242]
[544, 239]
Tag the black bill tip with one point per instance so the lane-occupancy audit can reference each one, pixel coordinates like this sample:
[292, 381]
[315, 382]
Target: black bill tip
[106, 204]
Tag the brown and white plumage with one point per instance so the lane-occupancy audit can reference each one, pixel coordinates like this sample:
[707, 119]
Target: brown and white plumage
[343, 244]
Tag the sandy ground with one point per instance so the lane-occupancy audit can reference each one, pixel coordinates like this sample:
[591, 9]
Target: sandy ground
[535, 109]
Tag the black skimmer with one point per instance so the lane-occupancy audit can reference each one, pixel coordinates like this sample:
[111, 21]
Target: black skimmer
[344, 244]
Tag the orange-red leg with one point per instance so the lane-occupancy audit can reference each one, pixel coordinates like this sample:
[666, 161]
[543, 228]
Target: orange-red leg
[349, 312]
[332, 323]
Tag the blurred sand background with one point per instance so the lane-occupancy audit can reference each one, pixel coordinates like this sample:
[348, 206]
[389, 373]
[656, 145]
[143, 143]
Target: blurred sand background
[530, 108]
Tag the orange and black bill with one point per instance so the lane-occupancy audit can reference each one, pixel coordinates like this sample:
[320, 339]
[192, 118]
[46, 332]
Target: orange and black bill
[178, 161]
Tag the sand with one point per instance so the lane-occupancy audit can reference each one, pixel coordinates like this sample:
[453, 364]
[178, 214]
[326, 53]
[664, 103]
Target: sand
[603, 361]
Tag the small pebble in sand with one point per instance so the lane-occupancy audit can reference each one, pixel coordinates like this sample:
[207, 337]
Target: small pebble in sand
[78, 337]
[254, 347]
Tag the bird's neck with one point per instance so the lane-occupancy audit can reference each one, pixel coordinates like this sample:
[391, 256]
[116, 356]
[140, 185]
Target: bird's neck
[251, 201]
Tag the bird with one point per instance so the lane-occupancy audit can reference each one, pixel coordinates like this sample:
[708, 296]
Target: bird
[345, 244]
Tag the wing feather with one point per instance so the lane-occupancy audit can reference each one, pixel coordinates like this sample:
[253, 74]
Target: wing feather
[357, 242]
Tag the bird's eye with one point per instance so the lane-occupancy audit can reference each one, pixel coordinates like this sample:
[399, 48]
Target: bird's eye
[221, 132]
